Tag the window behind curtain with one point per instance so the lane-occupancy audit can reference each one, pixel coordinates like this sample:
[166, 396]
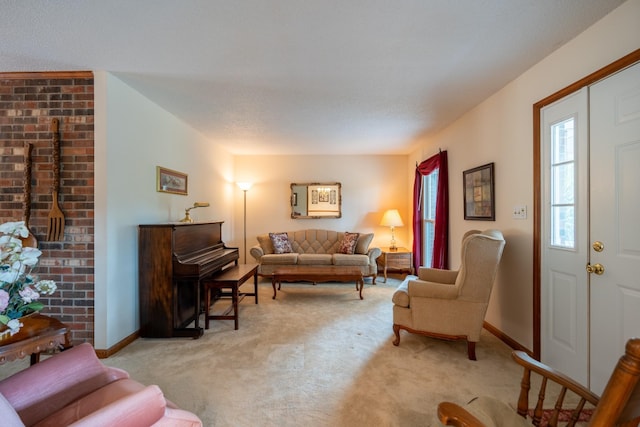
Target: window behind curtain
[429, 193]
[438, 202]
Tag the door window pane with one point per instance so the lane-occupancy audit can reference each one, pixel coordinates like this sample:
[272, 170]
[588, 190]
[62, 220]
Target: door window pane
[562, 141]
[564, 232]
[563, 191]
[563, 184]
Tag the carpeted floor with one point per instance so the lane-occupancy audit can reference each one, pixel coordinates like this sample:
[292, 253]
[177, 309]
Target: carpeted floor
[318, 356]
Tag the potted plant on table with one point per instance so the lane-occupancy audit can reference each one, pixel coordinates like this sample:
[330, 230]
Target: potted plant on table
[19, 290]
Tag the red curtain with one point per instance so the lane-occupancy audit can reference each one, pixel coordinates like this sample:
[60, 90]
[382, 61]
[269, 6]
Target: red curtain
[440, 257]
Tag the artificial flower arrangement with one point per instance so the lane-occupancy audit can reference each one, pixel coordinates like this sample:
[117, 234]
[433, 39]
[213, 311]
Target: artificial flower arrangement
[19, 290]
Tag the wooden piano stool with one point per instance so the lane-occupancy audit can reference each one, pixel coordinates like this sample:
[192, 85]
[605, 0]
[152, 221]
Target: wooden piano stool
[230, 279]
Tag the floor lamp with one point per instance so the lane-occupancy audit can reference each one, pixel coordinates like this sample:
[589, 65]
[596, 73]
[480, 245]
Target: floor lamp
[245, 186]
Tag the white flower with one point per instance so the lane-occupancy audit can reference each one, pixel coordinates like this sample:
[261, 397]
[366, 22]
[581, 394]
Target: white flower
[14, 325]
[19, 292]
[28, 294]
[17, 227]
[11, 273]
[8, 275]
[29, 256]
[10, 248]
[46, 287]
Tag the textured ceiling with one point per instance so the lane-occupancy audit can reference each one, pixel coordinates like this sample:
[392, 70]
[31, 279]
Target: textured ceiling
[294, 76]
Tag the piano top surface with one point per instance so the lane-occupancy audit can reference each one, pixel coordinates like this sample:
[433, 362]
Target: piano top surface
[180, 224]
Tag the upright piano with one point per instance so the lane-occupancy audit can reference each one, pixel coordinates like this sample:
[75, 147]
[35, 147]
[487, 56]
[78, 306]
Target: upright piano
[173, 259]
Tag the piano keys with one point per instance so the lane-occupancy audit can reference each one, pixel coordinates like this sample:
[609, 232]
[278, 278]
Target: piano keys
[173, 260]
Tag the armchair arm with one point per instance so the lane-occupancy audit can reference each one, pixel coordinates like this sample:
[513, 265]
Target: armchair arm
[143, 408]
[60, 379]
[437, 275]
[256, 252]
[420, 288]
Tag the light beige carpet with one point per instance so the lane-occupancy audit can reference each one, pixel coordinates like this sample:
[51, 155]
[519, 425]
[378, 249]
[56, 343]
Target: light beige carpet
[318, 356]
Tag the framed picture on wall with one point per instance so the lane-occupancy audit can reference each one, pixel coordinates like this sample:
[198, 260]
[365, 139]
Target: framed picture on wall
[170, 181]
[479, 194]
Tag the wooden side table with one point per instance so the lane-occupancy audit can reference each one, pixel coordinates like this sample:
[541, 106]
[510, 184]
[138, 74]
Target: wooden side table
[39, 333]
[399, 259]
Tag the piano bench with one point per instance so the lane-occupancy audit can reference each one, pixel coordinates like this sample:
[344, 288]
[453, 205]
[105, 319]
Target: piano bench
[230, 279]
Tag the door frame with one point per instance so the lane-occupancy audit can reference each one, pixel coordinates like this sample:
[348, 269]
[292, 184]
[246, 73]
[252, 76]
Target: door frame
[600, 74]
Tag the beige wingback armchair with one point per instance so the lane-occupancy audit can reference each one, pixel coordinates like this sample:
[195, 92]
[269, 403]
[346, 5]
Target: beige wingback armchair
[451, 304]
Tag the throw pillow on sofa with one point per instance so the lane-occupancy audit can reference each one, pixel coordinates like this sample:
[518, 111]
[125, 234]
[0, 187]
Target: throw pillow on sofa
[364, 240]
[280, 242]
[348, 244]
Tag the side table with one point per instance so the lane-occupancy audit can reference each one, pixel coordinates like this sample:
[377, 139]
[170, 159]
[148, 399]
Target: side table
[39, 333]
[395, 259]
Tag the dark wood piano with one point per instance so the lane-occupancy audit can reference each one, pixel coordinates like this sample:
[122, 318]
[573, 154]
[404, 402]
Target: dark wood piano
[173, 259]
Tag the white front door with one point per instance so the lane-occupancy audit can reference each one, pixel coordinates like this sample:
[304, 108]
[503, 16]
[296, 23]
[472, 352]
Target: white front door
[615, 220]
[564, 292]
[590, 222]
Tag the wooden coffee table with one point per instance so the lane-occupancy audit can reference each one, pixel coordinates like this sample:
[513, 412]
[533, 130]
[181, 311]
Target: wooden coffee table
[317, 274]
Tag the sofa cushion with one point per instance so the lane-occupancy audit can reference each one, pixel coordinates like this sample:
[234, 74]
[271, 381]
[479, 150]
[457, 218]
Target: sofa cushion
[356, 259]
[364, 240]
[280, 259]
[313, 241]
[265, 243]
[348, 243]
[280, 242]
[315, 259]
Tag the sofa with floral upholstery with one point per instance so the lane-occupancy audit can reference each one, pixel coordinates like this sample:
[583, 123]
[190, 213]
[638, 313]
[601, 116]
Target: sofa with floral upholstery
[312, 247]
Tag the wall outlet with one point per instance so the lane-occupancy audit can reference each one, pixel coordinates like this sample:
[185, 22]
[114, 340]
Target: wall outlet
[519, 212]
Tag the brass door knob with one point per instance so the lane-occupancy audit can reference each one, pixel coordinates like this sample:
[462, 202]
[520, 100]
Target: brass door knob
[598, 246]
[595, 268]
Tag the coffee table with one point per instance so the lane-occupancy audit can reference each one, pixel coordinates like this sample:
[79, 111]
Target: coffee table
[317, 274]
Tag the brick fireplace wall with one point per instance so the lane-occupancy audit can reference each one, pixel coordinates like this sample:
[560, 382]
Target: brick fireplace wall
[28, 103]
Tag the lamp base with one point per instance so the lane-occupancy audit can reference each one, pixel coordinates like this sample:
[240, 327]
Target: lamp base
[187, 217]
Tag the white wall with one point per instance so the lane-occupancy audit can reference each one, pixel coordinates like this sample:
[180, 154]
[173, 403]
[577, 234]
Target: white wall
[500, 130]
[133, 136]
[370, 185]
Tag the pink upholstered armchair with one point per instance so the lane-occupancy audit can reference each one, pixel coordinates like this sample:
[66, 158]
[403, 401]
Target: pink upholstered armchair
[451, 304]
[75, 388]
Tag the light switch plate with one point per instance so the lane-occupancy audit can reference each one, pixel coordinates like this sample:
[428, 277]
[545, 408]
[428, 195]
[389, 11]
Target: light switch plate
[519, 212]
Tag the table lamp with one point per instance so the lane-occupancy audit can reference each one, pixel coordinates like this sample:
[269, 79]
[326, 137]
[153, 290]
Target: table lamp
[391, 218]
[187, 216]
